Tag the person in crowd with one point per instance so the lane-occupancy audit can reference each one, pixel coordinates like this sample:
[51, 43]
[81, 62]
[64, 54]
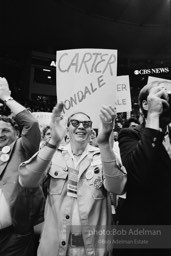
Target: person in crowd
[16, 228]
[46, 133]
[78, 208]
[146, 155]
[115, 135]
[118, 125]
[93, 138]
[131, 122]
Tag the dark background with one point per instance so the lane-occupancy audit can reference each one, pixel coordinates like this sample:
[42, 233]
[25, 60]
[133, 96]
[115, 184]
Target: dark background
[139, 29]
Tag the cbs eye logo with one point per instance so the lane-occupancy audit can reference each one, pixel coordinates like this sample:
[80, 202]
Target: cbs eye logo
[143, 72]
[136, 72]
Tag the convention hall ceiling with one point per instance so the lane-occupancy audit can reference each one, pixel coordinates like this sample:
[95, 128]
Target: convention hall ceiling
[137, 28]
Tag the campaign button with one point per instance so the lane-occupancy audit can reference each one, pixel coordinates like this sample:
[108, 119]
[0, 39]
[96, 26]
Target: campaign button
[65, 169]
[6, 149]
[89, 174]
[98, 183]
[4, 157]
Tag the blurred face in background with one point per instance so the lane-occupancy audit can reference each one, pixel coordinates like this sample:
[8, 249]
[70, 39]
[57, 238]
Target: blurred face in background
[47, 135]
[115, 136]
[93, 139]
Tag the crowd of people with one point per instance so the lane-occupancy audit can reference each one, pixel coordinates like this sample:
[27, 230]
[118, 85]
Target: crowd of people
[75, 185]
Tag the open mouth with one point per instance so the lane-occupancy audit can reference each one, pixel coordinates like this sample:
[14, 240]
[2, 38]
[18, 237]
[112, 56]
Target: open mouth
[81, 133]
[2, 139]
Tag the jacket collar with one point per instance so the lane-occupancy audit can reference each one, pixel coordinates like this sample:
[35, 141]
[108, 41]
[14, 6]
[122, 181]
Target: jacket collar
[90, 151]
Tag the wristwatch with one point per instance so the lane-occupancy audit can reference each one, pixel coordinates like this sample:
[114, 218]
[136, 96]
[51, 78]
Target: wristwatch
[7, 99]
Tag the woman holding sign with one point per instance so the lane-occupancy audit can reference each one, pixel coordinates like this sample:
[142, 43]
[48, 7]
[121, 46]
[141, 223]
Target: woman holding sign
[78, 209]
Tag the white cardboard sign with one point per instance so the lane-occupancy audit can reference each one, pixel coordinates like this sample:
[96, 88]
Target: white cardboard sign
[86, 80]
[123, 95]
[43, 118]
[167, 85]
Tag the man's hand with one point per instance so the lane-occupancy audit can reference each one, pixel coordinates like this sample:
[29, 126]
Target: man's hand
[156, 99]
[4, 88]
[58, 126]
[107, 116]
[157, 102]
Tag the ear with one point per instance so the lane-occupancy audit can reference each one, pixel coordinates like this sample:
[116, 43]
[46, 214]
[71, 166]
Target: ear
[18, 134]
[145, 105]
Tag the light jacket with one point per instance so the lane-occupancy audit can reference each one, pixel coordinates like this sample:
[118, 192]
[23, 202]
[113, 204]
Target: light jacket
[93, 203]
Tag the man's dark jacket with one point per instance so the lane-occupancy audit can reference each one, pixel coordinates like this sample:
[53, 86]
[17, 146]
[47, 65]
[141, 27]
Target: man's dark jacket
[149, 177]
[26, 205]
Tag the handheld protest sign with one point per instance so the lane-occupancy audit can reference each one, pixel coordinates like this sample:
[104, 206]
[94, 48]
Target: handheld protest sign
[85, 80]
[167, 84]
[43, 118]
[123, 96]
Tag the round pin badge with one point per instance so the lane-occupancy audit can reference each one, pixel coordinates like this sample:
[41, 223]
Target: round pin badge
[6, 149]
[98, 183]
[4, 157]
[89, 174]
[65, 169]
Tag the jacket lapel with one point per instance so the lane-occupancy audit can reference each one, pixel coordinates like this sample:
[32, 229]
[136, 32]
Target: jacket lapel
[85, 162]
[68, 159]
[84, 165]
[4, 164]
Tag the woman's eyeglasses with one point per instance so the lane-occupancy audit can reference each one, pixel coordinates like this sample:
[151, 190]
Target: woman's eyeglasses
[76, 123]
